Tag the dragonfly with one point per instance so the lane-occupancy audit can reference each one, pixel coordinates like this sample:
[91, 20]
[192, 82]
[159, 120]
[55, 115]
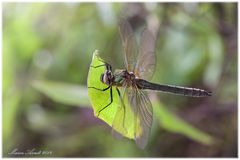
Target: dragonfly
[132, 82]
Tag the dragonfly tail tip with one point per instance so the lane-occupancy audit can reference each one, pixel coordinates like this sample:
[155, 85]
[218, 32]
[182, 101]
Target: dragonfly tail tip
[208, 93]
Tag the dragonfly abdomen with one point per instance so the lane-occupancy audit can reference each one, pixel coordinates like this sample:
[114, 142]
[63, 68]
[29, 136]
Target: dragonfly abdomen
[185, 91]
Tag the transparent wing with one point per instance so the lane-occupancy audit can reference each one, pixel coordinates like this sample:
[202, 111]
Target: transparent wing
[129, 44]
[147, 57]
[143, 114]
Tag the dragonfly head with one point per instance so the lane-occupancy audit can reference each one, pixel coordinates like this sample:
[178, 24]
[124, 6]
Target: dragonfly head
[107, 77]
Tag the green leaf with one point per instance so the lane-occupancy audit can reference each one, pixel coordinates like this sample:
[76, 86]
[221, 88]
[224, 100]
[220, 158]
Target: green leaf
[100, 99]
[63, 93]
[172, 123]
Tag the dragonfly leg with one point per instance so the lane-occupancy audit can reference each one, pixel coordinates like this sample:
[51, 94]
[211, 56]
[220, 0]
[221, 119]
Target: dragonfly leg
[111, 100]
[124, 109]
[98, 66]
[108, 66]
[100, 89]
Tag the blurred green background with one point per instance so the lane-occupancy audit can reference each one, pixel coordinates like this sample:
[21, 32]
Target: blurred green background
[47, 49]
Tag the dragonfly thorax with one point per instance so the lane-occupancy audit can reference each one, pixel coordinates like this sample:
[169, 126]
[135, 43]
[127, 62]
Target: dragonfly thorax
[130, 75]
[127, 78]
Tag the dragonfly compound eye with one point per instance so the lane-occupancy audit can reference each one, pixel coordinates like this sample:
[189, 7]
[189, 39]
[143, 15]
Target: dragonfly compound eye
[106, 78]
